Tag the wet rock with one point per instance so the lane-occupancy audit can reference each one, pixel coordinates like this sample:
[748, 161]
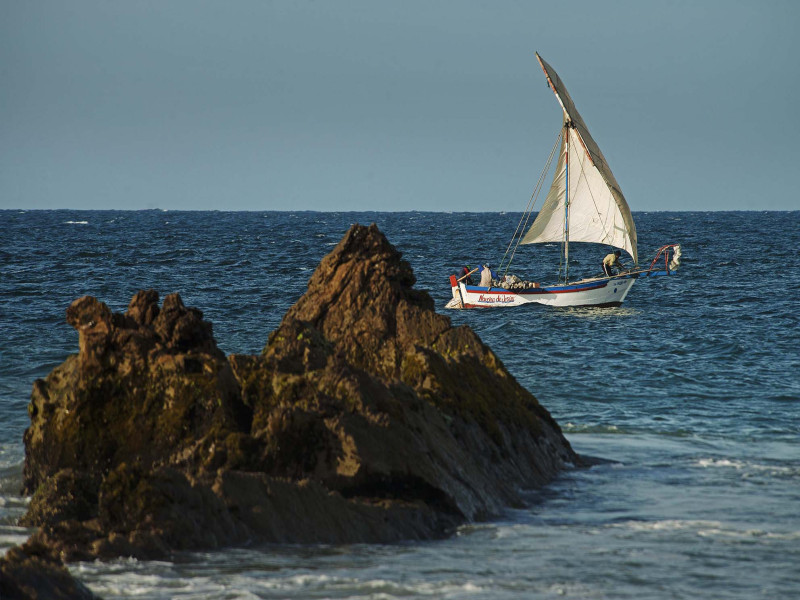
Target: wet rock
[161, 509]
[366, 418]
[67, 495]
[34, 571]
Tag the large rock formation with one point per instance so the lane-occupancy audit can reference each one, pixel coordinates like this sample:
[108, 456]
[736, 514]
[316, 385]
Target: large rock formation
[367, 418]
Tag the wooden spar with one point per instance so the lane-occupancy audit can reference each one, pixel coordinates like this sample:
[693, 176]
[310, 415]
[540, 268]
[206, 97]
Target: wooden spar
[550, 83]
[566, 112]
[468, 274]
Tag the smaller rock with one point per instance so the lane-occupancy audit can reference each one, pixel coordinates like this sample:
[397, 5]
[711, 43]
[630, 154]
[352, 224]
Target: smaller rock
[68, 495]
[187, 516]
[34, 571]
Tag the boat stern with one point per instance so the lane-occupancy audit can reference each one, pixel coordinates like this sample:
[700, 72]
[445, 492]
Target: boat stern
[455, 301]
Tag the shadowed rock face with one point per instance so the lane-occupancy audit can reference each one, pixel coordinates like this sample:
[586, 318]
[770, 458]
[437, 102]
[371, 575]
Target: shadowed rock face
[35, 571]
[367, 418]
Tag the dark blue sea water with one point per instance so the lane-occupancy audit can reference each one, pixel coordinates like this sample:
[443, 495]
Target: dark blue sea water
[692, 389]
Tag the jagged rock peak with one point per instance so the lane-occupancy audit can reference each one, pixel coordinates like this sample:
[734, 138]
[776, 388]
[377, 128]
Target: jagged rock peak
[172, 328]
[143, 307]
[362, 271]
[361, 299]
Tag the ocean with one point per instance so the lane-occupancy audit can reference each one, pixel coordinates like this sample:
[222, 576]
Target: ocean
[690, 391]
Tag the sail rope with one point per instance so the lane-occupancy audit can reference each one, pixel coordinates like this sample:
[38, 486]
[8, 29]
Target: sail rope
[591, 194]
[608, 234]
[585, 179]
[526, 215]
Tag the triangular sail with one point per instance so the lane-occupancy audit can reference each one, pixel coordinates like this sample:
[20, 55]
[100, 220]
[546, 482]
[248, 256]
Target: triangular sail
[598, 211]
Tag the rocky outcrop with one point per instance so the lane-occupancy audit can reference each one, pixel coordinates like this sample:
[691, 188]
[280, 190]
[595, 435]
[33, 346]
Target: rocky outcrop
[367, 418]
[33, 571]
[119, 434]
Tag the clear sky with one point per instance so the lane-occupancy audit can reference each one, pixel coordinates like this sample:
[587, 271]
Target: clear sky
[402, 105]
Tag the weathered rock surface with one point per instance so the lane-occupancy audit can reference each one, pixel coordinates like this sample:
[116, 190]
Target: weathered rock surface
[367, 418]
[34, 571]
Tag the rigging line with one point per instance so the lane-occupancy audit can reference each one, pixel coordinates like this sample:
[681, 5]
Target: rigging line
[528, 210]
[527, 216]
[594, 201]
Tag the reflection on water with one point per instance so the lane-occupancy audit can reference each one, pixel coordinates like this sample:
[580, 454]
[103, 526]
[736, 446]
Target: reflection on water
[594, 312]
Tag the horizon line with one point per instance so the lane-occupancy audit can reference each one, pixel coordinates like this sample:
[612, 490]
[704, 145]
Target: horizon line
[276, 210]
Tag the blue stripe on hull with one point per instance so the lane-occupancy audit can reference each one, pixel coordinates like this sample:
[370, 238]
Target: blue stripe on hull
[553, 289]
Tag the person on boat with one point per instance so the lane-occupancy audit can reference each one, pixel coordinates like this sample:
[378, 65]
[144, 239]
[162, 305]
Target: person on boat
[611, 261]
[486, 277]
[465, 275]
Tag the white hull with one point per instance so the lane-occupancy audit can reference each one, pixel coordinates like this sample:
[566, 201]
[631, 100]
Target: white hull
[598, 292]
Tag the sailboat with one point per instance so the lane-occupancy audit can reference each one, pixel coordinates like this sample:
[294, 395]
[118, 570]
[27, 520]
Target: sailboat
[584, 204]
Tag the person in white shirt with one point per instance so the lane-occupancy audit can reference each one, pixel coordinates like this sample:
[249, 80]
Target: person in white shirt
[486, 277]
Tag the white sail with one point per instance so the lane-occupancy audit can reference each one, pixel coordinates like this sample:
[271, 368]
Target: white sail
[598, 212]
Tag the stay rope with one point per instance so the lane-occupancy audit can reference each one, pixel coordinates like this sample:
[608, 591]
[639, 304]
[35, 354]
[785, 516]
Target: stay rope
[526, 215]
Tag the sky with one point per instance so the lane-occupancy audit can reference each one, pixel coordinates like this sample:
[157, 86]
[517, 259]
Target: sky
[403, 105]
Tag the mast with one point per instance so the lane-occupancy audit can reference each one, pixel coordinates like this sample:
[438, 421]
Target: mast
[566, 202]
[595, 210]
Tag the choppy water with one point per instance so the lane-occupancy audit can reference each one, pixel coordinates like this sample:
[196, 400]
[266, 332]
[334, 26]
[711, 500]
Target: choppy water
[692, 388]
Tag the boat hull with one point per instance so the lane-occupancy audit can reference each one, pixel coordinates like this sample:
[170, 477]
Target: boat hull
[599, 292]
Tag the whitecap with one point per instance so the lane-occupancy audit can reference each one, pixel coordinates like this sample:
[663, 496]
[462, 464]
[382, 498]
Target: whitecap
[76, 222]
[669, 525]
[11, 535]
[705, 529]
[571, 427]
[719, 462]
[748, 468]
[574, 590]
[743, 534]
